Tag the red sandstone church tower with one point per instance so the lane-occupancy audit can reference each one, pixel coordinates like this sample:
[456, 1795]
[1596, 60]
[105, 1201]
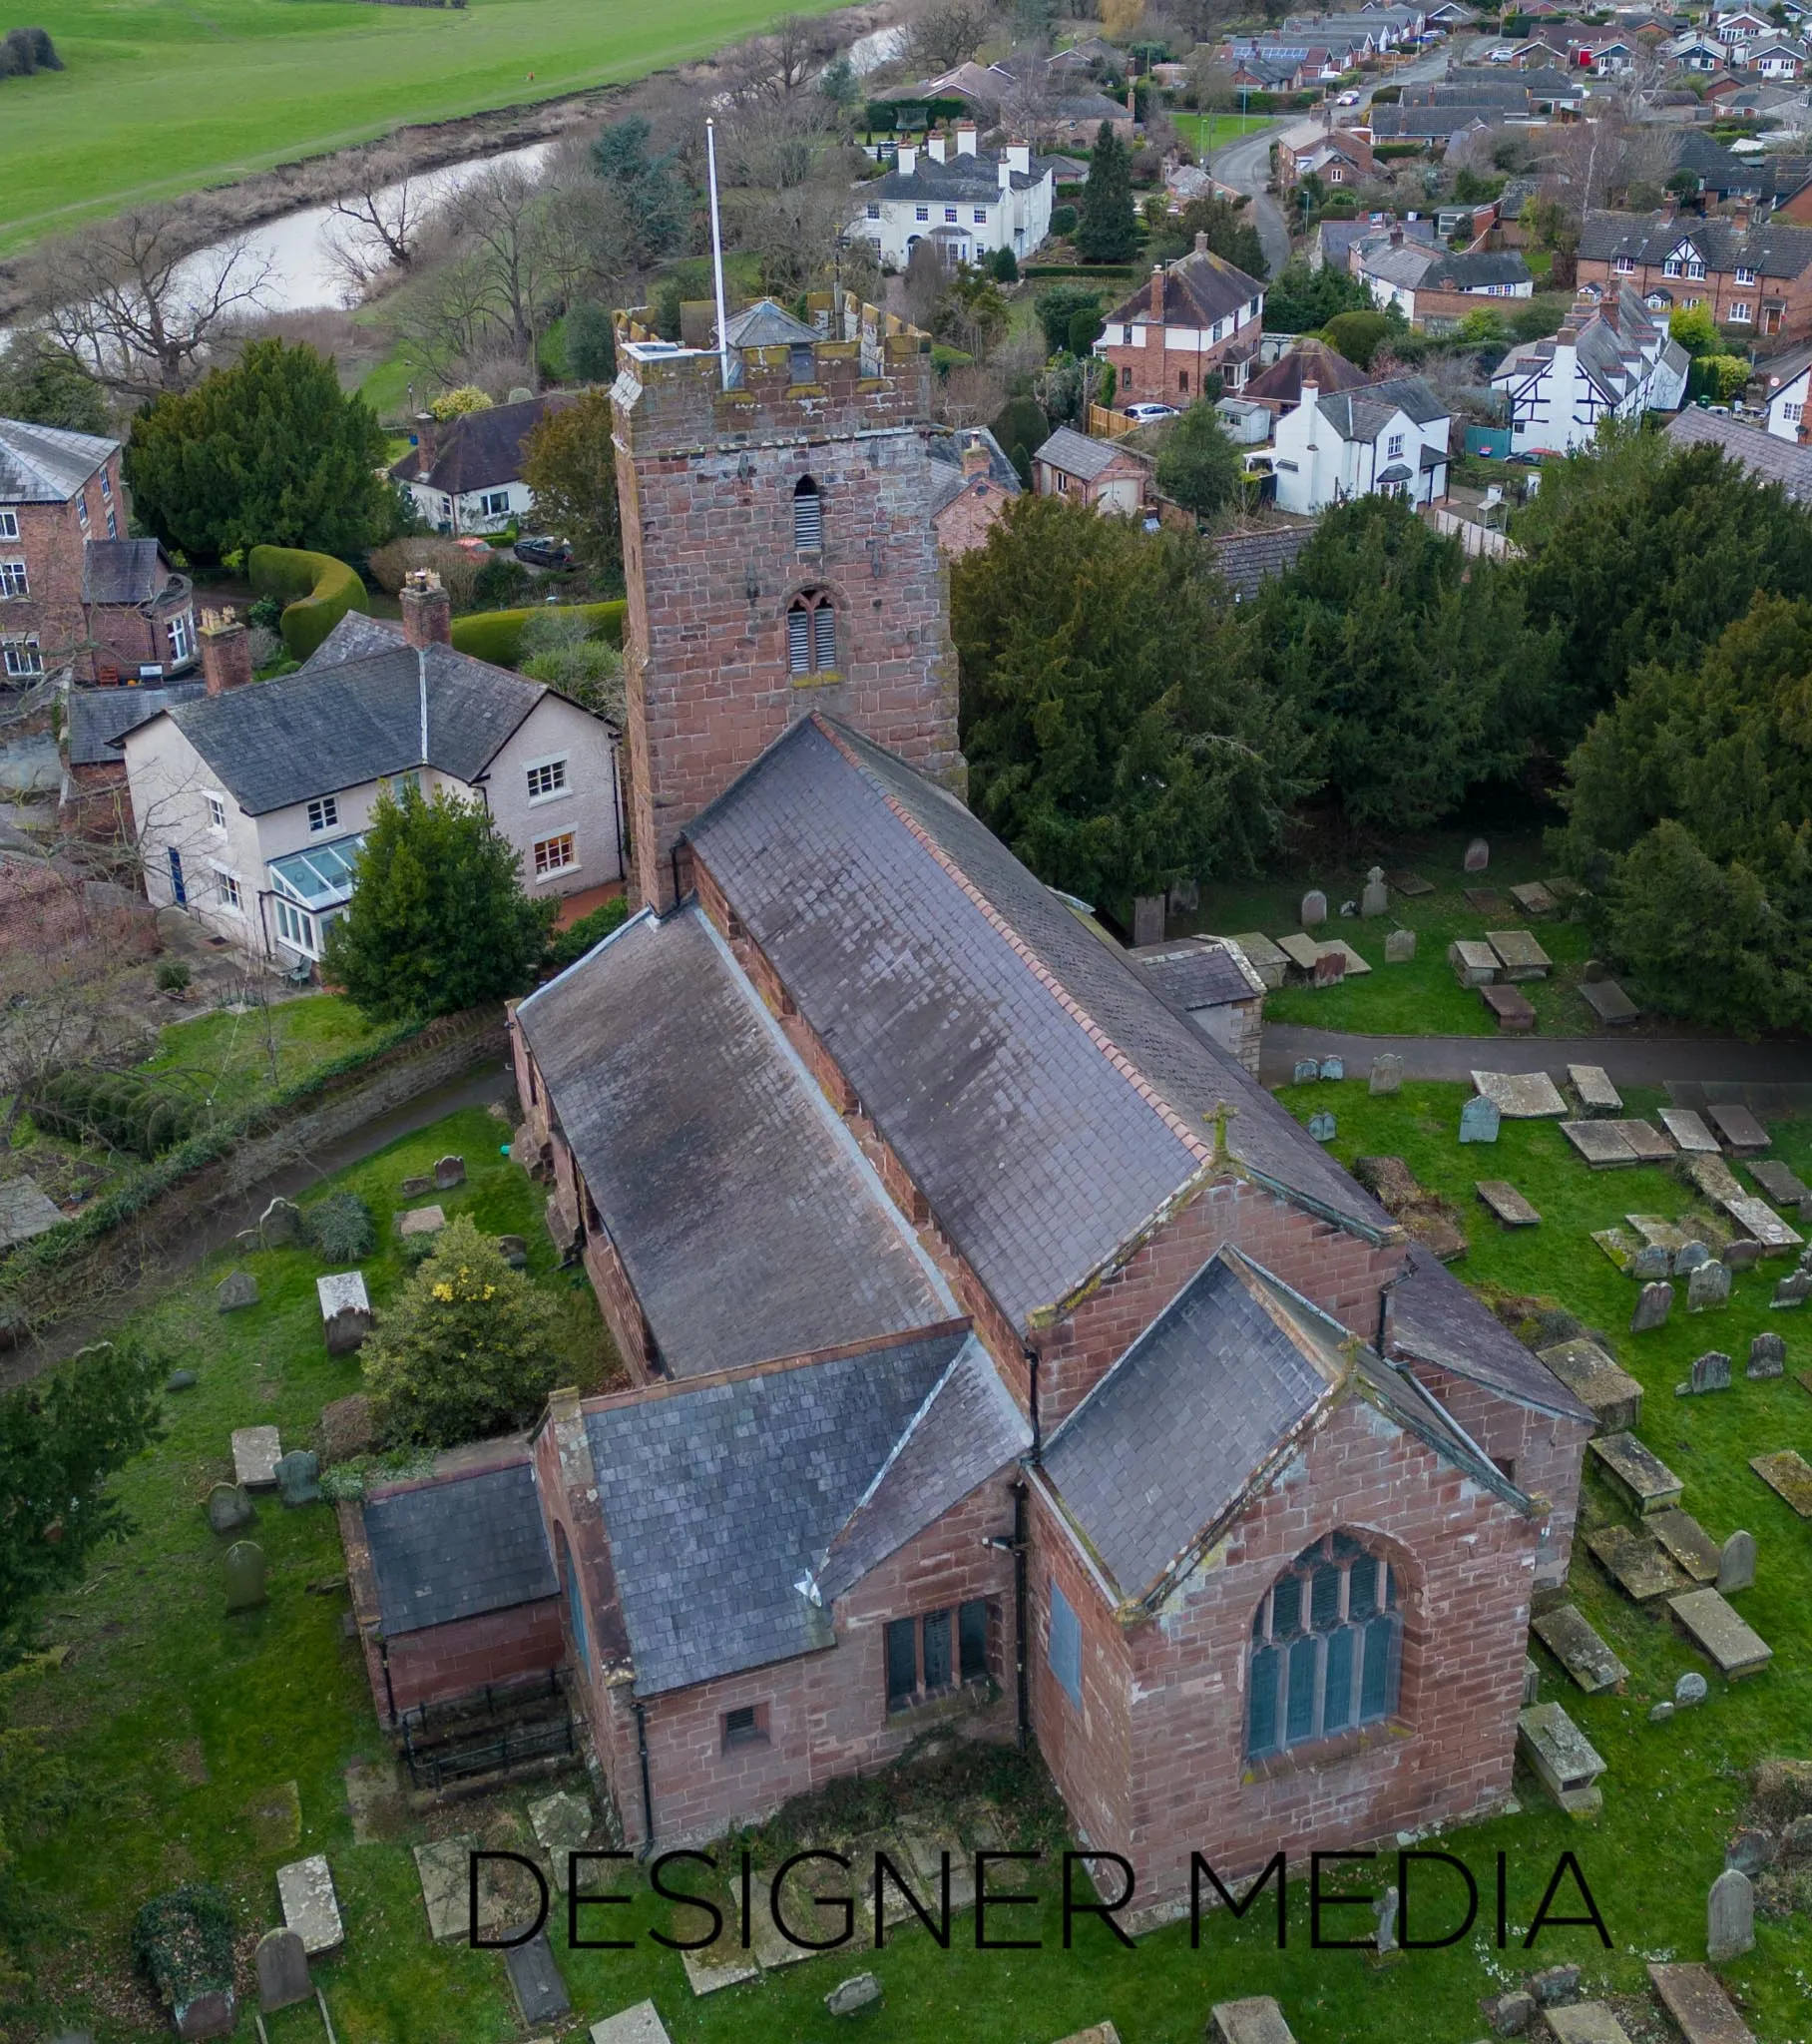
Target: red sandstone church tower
[779, 556]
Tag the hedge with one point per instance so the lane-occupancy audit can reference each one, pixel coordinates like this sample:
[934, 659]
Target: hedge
[496, 636]
[1108, 272]
[82, 1102]
[316, 591]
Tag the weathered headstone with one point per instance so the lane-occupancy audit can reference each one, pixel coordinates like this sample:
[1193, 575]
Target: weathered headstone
[1736, 1648]
[1650, 1262]
[1532, 899]
[1644, 1479]
[1384, 1914]
[1513, 2012]
[280, 1225]
[1305, 1072]
[1750, 1852]
[1323, 1126]
[860, 1991]
[1330, 967]
[1792, 1291]
[311, 1907]
[1708, 1287]
[297, 1474]
[1314, 909]
[1767, 1357]
[1375, 898]
[1740, 1254]
[1333, 1068]
[1788, 1474]
[229, 1508]
[1572, 1639]
[346, 1311]
[1711, 1371]
[1781, 1185]
[1691, 1690]
[563, 1825]
[283, 1968]
[245, 1576]
[413, 1188]
[1508, 1205]
[1474, 962]
[1652, 1309]
[1387, 1073]
[1562, 1757]
[238, 1288]
[1184, 896]
[1730, 1916]
[1689, 1257]
[1148, 929]
[638, 2025]
[1521, 1096]
[1398, 947]
[1479, 1120]
[1610, 1004]
[1553, 1985]
[1658, 1714]
[1736, 1564]
[254, 1454]
[514, 1250]
[1478, 856]
[1688, 1130]
[180, 1381]
[1738, 1127]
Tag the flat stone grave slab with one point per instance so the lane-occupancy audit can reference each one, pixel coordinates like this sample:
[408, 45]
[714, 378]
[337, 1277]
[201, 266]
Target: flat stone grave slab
[1561, 1755]
[1781, 1185]
[1521, 1096]
[1661, 1233]
[1760, 1222]
[1694, 1997]
[1521, 955]
[1507, 1204]
[1356, 967]
[1639, 1472]
[561, 1823]
[255, 1453]
[1603, 1144]
[1592, 1084]
[1567, 1636]
[638, 2025]
[1608, 1002]
[1714, 1179]
[721, 1964]
[1095, 2033]
[1484, 901]
[1474, 962]
[1258, 2021]
[346, 1311]
[1716, 1631]
[1390, 1182]
[1738, 1127]
[374, 1800]
[311, 1907]
[1687, 1129]
[1788, 1475]
[1509, 1006]
[1619, 1245]
[1412, 885]
[541, 1993]
[1636, 1563]
[1532, 899]
[420, 1220]
[505, 1894]
[1613, 1396]
[1300, 949]
[1650, 1145]
[1687, 1543]
[1586, 2022]
[1264, 956]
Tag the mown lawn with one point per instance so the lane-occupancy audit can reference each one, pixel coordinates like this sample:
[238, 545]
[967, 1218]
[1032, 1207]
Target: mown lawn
[228, 1060]
[179, 1726]
[159, 97]
[1209, 132]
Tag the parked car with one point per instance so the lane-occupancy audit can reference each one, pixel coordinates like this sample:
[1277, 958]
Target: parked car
[543, 552]
[1347, 98]
[1144, 415]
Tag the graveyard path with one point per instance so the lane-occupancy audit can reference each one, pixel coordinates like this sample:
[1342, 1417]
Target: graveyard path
[1630, 1060]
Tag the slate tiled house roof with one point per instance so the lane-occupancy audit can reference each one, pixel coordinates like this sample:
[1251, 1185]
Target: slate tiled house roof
[1249, 559]
[1363, 414]
[480, 450]
[1435, 1319]
[1312, 359]
[123, 571]
[1199, 974]
[99, 717]
[1772, 250]
[46, 464]
[1076, 454]
[1474, 270]
[948, 479]
[1766, 456]
[456, 1549]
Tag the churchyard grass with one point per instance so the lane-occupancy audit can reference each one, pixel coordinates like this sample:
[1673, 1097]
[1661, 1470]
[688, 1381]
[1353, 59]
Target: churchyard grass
[189, 97]
[178, 1725]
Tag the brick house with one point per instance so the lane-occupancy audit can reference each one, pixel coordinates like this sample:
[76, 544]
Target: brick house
[1099, 473]
[971, 483]
[1195, 315]
[1753, 279]
[74, 592]
[917, 1210]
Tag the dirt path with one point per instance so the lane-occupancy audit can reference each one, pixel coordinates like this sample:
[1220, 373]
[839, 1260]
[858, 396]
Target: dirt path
[1631, 1061]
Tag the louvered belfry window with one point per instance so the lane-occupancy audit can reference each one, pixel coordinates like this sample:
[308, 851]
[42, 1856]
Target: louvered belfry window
[811, 635]
[1326, 1650]
[808, 517]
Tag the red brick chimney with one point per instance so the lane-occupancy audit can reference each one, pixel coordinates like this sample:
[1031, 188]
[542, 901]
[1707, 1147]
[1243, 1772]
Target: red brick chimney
[225, 650]
[427, 443]
[427, 609]
[975, 457]
[1157, 293]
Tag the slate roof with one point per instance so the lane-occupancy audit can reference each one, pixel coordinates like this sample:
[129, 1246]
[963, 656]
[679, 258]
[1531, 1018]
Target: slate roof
[458, 1549]
[972, 179]
[1773, 248]
[1198, 290]
[1767, 458]
[765, 325]
[118, 571]
[1076, 454]
[1474, 270]
[1364, 413]
[1087, 106]
[480, 450]
[46, 464]
[324, 729]
[747, 1221]
[1432, 123]
[948, 480]
[1199, 975]
[720, 1498]
[353, 637]
[98, 717]
[1396, 263]
[1433, 1318]
[1324, 366]
[1040, 1151]
[1249, 559]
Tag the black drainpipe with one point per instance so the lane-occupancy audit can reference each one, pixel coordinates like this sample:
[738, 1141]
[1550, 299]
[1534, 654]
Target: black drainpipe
[647, 1794]
[383, 1653]
[1038, 1434]
[1021, 1600]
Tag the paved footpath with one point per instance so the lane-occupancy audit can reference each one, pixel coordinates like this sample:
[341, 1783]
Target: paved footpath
[1630, 1060]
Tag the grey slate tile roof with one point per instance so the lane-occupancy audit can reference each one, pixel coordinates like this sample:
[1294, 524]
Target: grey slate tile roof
[1766, 456]
[1364, 413]
[98, 717]
[1249, 559]
[1191, 976]
[455, 1550]
[1173, 1434]
[1076, 454]
[320, 730]
[958, 180]
[720, 1499]
[122, 571]
[353, 637]
[481, 450]
[1472, 271]
[744, 1216]
[1434, 1318]
[765, 325]
[1199, 290]
[1773, 248]
[46, 464]
[946, 452]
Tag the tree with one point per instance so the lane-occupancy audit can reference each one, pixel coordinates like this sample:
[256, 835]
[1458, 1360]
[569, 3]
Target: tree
[267, 453]
[839, 84]
[945, 34]
[1022, 429]
[1694, 328]
[44, 384]
[1359, 336]
[1108, 230]
[1115, 736]
[1086, 328]
[438, 920]
[467, 1351]
[383, 214]
[591, 344]
[1721, 377]
[1302, 300]
[1229, 231]
[653, 193]
[1197, 465]
[1057, 306]
[569, 464]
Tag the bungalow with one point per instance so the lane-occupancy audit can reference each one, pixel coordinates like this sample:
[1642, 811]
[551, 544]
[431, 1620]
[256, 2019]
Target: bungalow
[1782, 62]
[1434, 285]
[1697, 52]
[1740, 25]
[1100, 473]
[1765, 454]
[464, 475]
[1197, 316]
[1610, 359]
[1390, 438]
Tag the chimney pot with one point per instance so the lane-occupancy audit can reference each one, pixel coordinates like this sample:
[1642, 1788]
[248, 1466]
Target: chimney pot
[427, 609]
[225, 650]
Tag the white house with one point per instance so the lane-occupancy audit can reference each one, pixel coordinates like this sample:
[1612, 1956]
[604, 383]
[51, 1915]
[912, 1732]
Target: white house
[1780, 61]
[1389, 438]
[1402, 272]
[1609, 360]
[1789, 380]
[963, 203]
[464, 475]
[251, 802]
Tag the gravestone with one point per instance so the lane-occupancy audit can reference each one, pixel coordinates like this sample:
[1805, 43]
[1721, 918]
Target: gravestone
[1572, 1639]
[1586, 2022]
[1333, 1068]
[1314, 909]
[1689, 1257]
[1687, 1541]
[229, 1508]
[255, 1455]
[1688, 1130]
[561, 1823]
[1305, 1072]
[1787, 1473]
[180, 1381]
[1597, 1094]
[1521, 1096]
[1384, 1913]
[1510, 1007]
[1741, 1254]
[1750, 1852]
[1387, 1074]
[1512, 2013]
[1398, 947]
[1734, 1647]
[1148, 929]
[1650, 1262]
[1508, 1205]
[1478, 856]
[1730, 1916]
[245, 1576]
[1521, 956]
[1635, 1562]
[1268, 960]
[1791, 1292]
[860, 1991]
[638, 2025]
[1652, 1309]
[280, 1225]
[514, 1250]
[1736, 1564]
[1610, 1004]
[1323, 1126]
[1782, 1186]
[1694, 1997]
[1691, 1688]
[311, 1907]
[283, 1968]
[1473, 964]
[346, 1311]
[1562, 1757]
[1708, 1287]
[297, 1475]
[1479, 1120]
[541, 1993]
[1254, 2020]
[1486, 901]
[420, 1220]
[238, 1288]
[413, 1188]
[1184, 896]
[1375, 898]
[1330, 967]
[1767, 1357]
[1641, 1475]
[1738, 1127]
[1532, 899]
[1658, 1714]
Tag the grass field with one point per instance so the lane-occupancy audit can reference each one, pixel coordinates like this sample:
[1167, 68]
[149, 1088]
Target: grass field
[159, 97]
[1209, 132]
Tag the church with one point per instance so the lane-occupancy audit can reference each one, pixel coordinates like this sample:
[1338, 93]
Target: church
[1005, 1363]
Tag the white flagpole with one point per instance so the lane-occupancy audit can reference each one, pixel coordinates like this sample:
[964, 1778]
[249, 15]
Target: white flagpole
[711, 151]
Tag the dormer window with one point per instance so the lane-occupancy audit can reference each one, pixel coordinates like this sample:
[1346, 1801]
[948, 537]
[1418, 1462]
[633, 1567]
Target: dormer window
[808, 517]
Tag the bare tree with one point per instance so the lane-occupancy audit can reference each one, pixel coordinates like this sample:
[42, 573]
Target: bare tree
[946, 33]
[384, 215]
[501, 214]
[796, 43]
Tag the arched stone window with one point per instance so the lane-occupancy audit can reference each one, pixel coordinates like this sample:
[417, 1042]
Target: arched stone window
[808, 516]
[1327, 1647]
[811, 635]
